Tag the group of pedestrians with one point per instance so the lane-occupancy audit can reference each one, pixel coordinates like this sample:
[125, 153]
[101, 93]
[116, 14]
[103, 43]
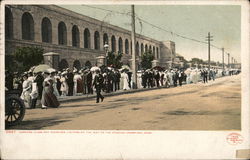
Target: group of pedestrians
[45, 87]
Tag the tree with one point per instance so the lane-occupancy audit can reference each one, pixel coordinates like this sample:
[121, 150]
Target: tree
[28, 57]
[114, 59]
[10, 64]
[146, 60]
[196, 61]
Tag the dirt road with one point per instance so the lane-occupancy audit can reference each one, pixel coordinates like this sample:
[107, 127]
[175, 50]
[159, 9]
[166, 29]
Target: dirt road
[212, 106]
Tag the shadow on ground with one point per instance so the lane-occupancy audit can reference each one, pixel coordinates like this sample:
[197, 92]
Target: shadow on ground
[37, 124]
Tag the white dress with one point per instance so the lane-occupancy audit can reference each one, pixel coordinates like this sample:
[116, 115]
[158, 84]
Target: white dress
[64, 86]
[139, 80]
[26, 93]
[125, 81]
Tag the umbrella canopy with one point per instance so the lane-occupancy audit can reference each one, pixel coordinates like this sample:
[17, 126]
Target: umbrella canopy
[32, 69]
[50, 70]
[41, 68]
[125, 67]
[94, 68]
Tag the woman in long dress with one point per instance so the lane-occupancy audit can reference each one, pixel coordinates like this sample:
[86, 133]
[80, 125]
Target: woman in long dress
[52, 76]
[64, 85]
[48, 97]
[78, 84]
[125, 81]
[26, 91]
[139, 80]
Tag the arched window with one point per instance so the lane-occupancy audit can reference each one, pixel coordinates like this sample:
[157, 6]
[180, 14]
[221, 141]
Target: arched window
[46, 30]
[63, 64]
[105, 39]
[62, 33]
[137, 49]
[77, 64]
[27, 26]
[142, 49]
[113, 45]
[86, 38]
[146, 48]
[120, 45]
[154, 52]
[88, 64]
[8, 23]
[150, 48]
[126, 46]
[75, 36]
[97, 40]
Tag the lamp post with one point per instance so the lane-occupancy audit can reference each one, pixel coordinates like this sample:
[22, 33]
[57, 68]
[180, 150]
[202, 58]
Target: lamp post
[106, 48]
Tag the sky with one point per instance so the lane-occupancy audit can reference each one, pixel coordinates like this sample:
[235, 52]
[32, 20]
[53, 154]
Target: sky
[193, 21]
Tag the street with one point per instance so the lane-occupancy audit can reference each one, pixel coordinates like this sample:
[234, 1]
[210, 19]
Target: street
[212, 106]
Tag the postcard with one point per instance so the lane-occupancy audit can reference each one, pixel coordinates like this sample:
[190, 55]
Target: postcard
[125, 79]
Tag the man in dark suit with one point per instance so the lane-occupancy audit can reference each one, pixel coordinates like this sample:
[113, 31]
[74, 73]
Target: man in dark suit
[144, 79]
[89, 82]
[157, 78]
[98, 83]
[70, 82]
[117, 77]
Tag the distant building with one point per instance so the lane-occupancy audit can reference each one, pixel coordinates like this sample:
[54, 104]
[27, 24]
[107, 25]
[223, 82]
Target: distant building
[179, 61]
[72, 40]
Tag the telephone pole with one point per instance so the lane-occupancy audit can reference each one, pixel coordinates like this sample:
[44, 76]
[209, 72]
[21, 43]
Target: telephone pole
[228, 59]
[223, 65]
[134, 70]
[232, 61]
[209, 38]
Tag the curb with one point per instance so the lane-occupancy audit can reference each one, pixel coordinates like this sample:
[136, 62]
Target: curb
[121, 92]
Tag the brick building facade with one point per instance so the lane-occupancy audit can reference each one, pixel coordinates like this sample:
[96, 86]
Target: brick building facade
[78, 40]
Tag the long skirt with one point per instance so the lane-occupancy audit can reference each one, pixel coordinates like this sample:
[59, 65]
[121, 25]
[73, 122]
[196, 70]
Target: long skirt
[79, 86]
[25, 96]
[48, 98]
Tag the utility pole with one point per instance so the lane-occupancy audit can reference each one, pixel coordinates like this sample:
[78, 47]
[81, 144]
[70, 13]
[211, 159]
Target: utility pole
[232, 61]
[223, 65]
[209, 38]
[134, 70]
[228, 59]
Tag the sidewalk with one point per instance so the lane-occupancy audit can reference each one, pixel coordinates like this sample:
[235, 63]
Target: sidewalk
[68, 99]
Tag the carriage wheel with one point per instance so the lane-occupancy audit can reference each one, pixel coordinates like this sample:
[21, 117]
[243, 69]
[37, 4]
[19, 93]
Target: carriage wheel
[14, 110]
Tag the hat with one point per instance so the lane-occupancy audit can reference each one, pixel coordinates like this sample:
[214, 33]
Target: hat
[75, 70]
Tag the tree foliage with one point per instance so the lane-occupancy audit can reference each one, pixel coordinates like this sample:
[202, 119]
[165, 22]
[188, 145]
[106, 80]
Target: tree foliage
[114, 59]
[28, 56]
[196, 61]
[146, 60]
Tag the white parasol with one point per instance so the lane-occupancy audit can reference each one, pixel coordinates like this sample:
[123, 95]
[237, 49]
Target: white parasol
[94, 68]
[41, 68]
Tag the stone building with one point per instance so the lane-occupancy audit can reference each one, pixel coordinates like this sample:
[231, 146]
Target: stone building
[73, 40]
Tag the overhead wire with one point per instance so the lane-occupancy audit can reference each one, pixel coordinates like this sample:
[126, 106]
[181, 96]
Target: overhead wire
[128, 13]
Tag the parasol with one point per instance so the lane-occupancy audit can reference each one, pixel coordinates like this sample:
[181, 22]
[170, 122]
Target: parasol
[126, 67]
[50, 70]
[94, 68]
[41, 68]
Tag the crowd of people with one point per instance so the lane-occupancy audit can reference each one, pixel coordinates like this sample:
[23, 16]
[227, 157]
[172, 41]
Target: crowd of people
[49, 85]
